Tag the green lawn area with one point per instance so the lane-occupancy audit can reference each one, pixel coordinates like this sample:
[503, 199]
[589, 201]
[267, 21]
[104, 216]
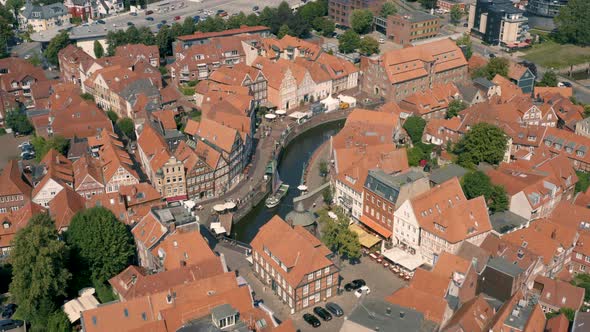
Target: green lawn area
[553, 55]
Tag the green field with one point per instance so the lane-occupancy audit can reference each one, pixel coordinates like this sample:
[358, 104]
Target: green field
[552, 55]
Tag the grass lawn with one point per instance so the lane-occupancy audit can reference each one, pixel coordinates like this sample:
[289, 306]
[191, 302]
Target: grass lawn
[553, 55]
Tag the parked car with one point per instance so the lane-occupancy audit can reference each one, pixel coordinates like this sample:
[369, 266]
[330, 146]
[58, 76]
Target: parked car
[311, 320]
[23, 144]
[465, 25]
[255, 8]
[335, 309]
[258, 302]
[564, 84]
[196, 18]
[177, 18]
[8, 310]
[322, 313]
[101, 22]
[130, 24]
[164, 21]
[159, 26]
[149, 12]
[11, 325]
[363, 290]
[149, 18]
[133, 14]
[491, 55]
[27, 155]
[354, 285]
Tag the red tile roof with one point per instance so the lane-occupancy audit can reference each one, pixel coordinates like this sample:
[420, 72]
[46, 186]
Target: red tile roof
[184, 248]
[230, 32]
[560, 294]
[149, 230]
[64, 206]
[12, 183]
[472, 316]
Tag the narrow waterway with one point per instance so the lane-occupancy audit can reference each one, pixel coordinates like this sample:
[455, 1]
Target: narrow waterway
[291, 165]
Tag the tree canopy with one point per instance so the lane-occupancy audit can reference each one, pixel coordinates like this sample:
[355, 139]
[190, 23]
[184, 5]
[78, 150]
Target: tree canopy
[283, 31]
[98, 49]
[338, 237]
[496, 66]
[428, 4]
[102, 244]
[127, 127]
[56, 44]
[477, 184]
[40, 277]
[572, 23]
[414, 125]
[483, 143]
[387, 9]
[324, 25]
[349, 41]
[455, 106]
[549, 79]
[456, 14]
[465, 43]
[369, 46]
[42, 145]
[19, 122]
[361, 20]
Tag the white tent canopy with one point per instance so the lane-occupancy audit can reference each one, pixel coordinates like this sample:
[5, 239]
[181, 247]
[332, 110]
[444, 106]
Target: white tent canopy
[270, 116]
[86, 301]
[230, 205]
[280, 112]
[219, 208]
[351, 101]
[403, 258]
[330, 103]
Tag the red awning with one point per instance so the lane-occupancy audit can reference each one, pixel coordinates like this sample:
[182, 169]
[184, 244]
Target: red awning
[386, 233]
[176, 198]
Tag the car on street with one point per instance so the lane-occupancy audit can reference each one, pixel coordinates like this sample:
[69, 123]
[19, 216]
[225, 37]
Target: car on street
[255, 8]
[23, 144]
[363, 290]
[27, 155]
[335, 309]
[11, 325]
[130, 24]
[177, 18]
[196, 18]
[149, 12]
[149, 18]
[8, 310]
[163, 21]
[564, 84]
[133, 14]
[491, 55]
[465, 25]
[354, 285]
[322, 313]
[312, 320]
[101, 22]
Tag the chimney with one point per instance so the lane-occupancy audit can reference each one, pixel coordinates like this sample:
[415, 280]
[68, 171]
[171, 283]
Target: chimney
[402, 314]
[388, 311]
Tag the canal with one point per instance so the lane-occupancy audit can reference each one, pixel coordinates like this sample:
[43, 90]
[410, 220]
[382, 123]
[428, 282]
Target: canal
[293, 160]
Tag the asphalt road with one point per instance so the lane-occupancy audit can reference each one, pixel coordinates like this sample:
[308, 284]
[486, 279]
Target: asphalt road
[163, 11]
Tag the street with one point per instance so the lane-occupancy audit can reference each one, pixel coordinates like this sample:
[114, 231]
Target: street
[162, 11]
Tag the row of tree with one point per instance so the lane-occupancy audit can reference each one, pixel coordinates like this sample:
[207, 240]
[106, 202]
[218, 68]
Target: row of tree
[48, 267]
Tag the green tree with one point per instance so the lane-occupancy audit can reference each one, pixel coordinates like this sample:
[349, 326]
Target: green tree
[146, 36]
[211, 24]
[312, 10]
[176, 30]
[56, 44]
[549, 79]
[87, 96]
[328, 196]
[112, 116]
[236, 21]
[338, 237]
[428, 4]
[361, 20]
[583, 182]
[387, 9]
[573, 21]
[98, 49]
[456, 14]
[164, 41]
[415, 155]
[188, 26]
[328, 27]
[35, 60]
[103, 245]
[42, 145]
[477, 184]
[127, 127]
[455, 106]
[323, 167]
[583, 280]
[369, 46]
[414, 126]
[251, 20]
[349, 41]
[465, 43]
[496, 66]
[283, 31]
[483, 143]
[39, 274]
[19, 122]
[58, 321]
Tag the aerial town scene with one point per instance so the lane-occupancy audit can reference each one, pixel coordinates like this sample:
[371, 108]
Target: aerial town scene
[295, 165]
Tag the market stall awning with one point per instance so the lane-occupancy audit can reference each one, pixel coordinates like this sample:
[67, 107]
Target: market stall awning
[386, 233]
[367, 240]
[403, 258]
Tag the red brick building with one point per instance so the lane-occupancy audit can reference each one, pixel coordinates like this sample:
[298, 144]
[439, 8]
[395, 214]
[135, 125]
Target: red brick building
[14, 191]
[407, 28]
[340, 10]
[400, 73]
[294, 264]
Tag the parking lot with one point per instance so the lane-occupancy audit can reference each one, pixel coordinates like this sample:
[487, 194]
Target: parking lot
[381, 281]
[10, 148]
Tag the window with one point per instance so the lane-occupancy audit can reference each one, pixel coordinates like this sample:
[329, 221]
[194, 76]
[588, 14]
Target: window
[329, 280]
[582, 267]
[318, 284]
[305, 302]
[329, 292]
[587, 259]
[579, 256]
[318, 273]
[305, 289]
[310, 277]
